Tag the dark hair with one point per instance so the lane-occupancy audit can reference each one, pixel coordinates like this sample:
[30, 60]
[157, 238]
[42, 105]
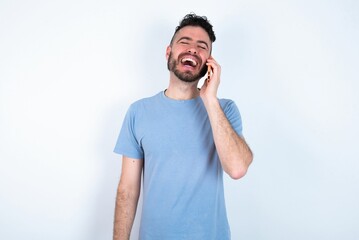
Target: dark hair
[198, 21]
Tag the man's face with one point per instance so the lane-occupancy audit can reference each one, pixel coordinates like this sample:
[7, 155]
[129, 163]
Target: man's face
[187, 55]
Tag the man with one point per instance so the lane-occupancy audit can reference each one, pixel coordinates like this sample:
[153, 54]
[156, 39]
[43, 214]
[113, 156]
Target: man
[181, 139]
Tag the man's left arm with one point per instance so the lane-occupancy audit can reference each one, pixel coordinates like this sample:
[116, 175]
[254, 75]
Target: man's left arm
[233, 151]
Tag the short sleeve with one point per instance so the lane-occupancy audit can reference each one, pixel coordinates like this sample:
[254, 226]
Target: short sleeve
[127, 142]
[233, 115]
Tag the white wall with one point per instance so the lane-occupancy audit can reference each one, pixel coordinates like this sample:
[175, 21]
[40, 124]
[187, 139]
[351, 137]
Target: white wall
[69, 70]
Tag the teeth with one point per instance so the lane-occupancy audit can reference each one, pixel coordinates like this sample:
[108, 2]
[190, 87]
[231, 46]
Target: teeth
[189, 60]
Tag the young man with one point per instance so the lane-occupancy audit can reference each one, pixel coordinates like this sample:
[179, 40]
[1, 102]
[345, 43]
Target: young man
[181, 139]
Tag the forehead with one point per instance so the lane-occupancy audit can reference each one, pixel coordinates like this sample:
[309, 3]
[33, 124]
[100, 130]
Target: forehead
[194, 32]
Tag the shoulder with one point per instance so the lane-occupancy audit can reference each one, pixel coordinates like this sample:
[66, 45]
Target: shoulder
[227, 103]
[144, 102]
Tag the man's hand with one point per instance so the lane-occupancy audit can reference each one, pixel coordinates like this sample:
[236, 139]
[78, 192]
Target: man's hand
[210, 86]
[234, 153]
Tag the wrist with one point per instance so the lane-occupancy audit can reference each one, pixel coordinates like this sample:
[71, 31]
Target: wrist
[210, 101]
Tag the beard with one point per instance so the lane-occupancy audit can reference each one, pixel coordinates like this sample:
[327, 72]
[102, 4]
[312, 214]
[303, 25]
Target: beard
[186, 76]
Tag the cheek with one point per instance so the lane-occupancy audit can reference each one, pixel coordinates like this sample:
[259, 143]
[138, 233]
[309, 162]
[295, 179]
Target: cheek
[205, 56]
[174, 53]
[204, 60]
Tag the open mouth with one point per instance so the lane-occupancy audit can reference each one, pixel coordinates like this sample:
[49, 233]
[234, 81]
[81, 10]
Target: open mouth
[189, 62]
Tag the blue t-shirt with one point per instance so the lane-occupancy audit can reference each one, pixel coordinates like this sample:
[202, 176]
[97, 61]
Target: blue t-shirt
[183, 196]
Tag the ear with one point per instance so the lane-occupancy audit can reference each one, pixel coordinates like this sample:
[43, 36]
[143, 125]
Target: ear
[168, 51]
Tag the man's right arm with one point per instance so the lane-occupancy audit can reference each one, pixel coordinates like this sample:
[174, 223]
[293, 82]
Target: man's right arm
[128, 193]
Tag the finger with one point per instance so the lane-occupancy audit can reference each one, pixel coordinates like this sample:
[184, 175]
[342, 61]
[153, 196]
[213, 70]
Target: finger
[209, 71]
[214, 67]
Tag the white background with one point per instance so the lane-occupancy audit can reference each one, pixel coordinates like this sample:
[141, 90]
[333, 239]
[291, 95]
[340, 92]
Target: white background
[70, 69]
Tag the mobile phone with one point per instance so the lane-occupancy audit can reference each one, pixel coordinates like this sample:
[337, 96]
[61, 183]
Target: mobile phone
[209, 72]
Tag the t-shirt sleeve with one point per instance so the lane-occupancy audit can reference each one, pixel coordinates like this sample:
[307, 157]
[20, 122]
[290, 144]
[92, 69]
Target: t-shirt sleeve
[234, 117]
[127, 143]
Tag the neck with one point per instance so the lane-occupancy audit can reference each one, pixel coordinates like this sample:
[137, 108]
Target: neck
[180, 90]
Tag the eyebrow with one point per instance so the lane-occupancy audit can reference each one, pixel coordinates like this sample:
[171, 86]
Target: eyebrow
[190, 39]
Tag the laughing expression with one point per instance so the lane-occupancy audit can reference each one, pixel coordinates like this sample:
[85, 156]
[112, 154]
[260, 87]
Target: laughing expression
[188, 53]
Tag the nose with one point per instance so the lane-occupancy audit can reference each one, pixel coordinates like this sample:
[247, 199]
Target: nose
[192, 50]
